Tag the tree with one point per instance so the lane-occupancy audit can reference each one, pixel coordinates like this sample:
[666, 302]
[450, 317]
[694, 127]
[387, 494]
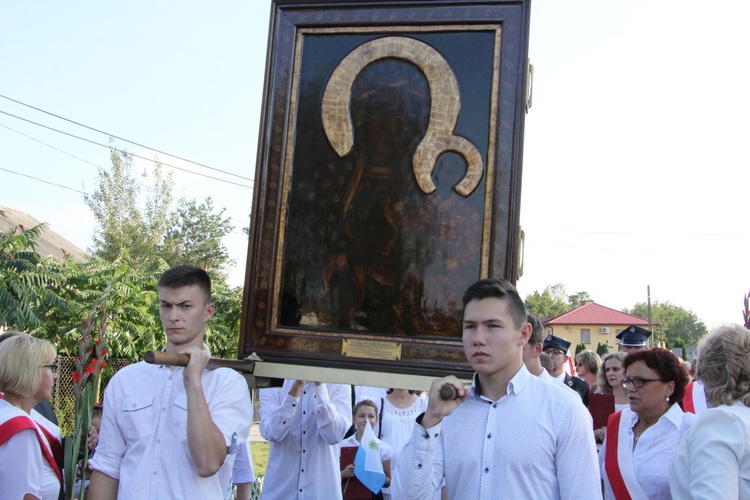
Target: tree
[579, 347]
[602, 350]
[121, 224]
[578, 299]
[551, 302]
[680, 344]
[195, 237]
[675, 322]
[554, 301]
[27, 280]
[222, 332]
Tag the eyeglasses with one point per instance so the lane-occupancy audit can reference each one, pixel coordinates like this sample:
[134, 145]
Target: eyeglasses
[555, 352]
[580, 363]
[638, 382]
[52, 367]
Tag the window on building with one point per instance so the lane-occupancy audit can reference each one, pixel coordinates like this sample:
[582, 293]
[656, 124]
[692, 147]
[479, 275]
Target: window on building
[585, 335]
[617, 331]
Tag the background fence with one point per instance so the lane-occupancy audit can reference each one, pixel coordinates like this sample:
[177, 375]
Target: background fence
[63, 398]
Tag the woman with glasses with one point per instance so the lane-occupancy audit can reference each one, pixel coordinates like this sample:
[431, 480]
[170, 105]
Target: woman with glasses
[713, 461]
[587, 368]
[28, 468]
[641, 440]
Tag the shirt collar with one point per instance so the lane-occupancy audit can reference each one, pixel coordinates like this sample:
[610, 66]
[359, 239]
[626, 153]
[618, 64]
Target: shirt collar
[515, 385]
[673, 415]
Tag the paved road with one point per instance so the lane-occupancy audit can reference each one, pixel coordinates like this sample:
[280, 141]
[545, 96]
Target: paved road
[255, 436]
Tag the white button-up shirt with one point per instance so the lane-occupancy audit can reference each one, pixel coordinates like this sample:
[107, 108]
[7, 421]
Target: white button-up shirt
[713, 460]
[652, 454]
[537, 441]
[305, 435]
[143, 439]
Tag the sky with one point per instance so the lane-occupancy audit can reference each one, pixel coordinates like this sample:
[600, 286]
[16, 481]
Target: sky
[635, 161]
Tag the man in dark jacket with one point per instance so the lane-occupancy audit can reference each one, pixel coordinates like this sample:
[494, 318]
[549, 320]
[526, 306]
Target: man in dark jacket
[558, 349]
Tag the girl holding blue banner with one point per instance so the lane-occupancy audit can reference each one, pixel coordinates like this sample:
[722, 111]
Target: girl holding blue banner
[365, 459]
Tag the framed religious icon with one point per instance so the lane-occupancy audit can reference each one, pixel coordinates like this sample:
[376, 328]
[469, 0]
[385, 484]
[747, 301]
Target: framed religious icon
[387, 181]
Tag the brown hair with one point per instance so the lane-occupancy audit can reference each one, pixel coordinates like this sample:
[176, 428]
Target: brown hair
[668, 365]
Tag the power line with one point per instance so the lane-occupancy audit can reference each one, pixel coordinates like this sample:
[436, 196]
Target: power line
[126, 153]
[48, 145]
[42, 180]
[123, 139]
[66, 153]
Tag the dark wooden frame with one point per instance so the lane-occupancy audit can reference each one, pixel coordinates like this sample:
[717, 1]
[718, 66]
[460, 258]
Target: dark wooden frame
[291, 21]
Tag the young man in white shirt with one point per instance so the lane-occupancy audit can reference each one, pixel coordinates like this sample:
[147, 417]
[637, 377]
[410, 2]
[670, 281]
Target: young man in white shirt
[171, 432]
[305, 423]
[511, 435]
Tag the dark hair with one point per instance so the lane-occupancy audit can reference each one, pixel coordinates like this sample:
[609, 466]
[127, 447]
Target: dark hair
[669, 367]
[186, 275]
[500, 289]
[537, 332]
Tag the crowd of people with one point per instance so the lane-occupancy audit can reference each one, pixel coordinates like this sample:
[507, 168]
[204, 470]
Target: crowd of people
[521, 429]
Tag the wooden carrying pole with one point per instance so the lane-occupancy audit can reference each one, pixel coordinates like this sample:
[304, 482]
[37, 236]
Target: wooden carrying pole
[177, 359]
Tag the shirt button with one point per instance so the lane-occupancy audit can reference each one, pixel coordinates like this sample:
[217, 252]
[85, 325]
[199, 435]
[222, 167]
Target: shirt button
[170, 377]
[304, 413]
[304, 432]
[419, 466]
[486, 469]
[489, 435]
[494, 405]
[163, 409]
[154, 473]
[303, 470]
[304, 392]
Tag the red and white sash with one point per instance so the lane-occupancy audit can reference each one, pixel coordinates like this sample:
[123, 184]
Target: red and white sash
[694, 400]
[618, 459]
[13, 421]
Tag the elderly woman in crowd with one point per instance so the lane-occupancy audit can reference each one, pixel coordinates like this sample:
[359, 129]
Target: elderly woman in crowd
[713, 461]
[587, 368]
[27, 464]
[641, 440]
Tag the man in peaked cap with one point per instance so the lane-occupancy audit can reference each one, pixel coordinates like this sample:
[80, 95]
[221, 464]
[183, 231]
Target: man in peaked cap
[558, 349]
[633, 338]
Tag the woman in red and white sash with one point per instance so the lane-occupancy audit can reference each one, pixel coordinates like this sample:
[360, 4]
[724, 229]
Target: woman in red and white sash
[27, 465]
[641, 440]
[713, 461]
[695, 398]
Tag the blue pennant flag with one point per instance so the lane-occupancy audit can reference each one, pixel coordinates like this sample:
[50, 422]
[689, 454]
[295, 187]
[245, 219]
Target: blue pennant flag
[368, 467]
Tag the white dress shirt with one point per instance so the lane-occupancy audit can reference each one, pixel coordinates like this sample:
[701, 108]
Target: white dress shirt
[243, 471]
[23, 467]
[537, 441]
[713, 460]
[655, 449]
[304, 432]
[143, 439]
